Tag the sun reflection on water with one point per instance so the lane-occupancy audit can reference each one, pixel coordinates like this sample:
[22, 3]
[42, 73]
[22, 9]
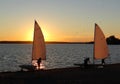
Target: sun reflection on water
[34, 63]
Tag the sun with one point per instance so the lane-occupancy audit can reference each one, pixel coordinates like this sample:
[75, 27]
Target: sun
[30, 35]
[46, 36]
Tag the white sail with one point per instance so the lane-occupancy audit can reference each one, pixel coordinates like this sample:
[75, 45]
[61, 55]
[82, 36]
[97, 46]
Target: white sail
[39, 49]
[100, 44]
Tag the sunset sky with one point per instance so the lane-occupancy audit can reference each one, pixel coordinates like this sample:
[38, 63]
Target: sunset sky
[60, 20]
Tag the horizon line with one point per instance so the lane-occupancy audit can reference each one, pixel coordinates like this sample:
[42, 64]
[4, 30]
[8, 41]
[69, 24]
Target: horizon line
[48, 42]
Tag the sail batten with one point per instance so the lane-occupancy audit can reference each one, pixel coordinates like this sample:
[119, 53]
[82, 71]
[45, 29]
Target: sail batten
[39, 49]
[100, 44]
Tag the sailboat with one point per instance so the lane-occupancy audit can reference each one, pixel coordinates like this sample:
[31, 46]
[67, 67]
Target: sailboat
[38, 48]
[100, 44]
[100, 50]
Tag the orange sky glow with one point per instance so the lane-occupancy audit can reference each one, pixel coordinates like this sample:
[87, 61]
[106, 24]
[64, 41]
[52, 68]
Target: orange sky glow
[61, 20]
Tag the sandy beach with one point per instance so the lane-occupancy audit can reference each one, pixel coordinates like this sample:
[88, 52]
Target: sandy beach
[110, 74]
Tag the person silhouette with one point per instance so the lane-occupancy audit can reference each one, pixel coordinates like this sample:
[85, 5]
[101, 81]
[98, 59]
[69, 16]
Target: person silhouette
[86, 60]
[39, 62]
[103, 61]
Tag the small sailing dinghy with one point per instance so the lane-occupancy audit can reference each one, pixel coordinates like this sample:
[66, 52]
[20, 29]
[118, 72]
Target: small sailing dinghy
[100, 51]
[100, 46]
[38, 48]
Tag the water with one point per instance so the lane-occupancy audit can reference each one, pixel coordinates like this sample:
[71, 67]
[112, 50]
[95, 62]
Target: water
[58, 55]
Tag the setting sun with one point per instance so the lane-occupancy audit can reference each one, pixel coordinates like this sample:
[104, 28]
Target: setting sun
[29, 35]
[74, 25]
[46, 36]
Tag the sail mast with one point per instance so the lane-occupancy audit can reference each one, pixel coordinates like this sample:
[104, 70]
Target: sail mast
[33, 40]
[94, 43]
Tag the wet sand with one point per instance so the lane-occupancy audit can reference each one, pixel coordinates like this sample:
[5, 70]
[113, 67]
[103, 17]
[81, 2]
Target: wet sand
[110, 74]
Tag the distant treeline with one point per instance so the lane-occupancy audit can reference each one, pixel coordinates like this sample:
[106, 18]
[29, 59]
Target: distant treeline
[30, 42]
[15, 42]
[112, 40]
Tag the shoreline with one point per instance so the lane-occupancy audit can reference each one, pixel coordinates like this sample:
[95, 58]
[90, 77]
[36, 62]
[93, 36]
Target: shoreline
[47, 42]
[72, 75]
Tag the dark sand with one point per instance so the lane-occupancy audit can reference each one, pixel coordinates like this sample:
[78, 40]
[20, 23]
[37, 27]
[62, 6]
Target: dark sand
[110, 74]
